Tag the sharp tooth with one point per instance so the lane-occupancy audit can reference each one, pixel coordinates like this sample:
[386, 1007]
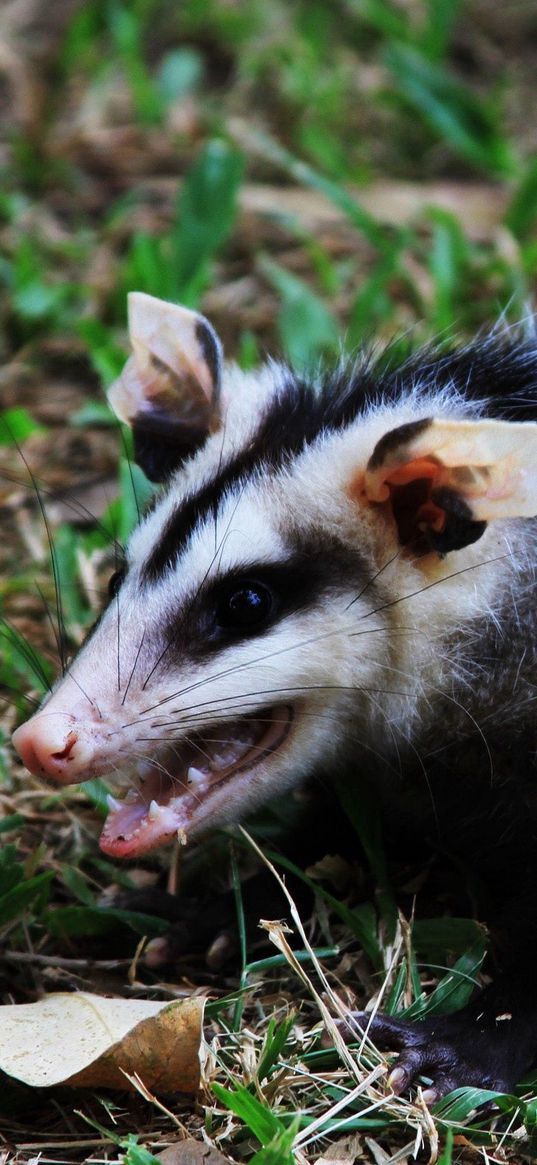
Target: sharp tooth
[131, 797]
[113, 803]
[195, 776]
[154, 811]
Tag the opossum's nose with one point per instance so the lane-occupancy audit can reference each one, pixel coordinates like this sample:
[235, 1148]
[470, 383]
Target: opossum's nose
[50, 746]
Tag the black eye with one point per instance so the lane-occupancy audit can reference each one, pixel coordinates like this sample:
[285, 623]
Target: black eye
[115, 581]
[246, 606]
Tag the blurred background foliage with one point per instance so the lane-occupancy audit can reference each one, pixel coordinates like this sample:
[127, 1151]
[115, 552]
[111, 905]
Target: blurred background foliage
[301, 169]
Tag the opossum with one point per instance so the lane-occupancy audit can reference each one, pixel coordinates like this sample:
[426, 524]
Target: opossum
[337, 575]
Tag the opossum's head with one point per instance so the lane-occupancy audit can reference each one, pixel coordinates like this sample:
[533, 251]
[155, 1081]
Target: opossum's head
[277, 602]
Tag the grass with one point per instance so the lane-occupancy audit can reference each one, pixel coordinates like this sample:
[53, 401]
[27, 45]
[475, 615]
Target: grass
[131, 165]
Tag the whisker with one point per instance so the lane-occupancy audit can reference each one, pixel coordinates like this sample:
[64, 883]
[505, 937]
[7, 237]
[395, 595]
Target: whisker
[437, 582]
[133, 668]
[124, 445]
[79, 510]
[54, 629]
[93, 703]
[367, 746]
[19, 695]
[374, 578]
[196, 594]
[52, 550]
[118, 642]
[301, 688]
[262, 658]
[16, 639]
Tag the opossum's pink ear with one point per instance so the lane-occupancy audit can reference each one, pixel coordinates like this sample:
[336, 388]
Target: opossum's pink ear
[169, 389]
[444, 480]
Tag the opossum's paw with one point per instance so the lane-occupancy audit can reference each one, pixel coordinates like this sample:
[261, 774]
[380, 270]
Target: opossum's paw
[447, 1050]
[206, 928]
[197, 929]
[180, 942]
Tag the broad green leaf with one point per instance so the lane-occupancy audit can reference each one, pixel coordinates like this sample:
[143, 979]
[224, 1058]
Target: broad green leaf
[451, 109]
[437, 31]
[94, 920]
[434, 937]
[455, 988]
[361, 806]
[379, 236]
[458, 1105]
[16, 425]
[9, 823]
[306, 327]
[521, 214]
[206, 209]
[449, 255]
[385, 17]
[30, 893]
[106, 356]
[135, 1154]
[278, 1152]
[74, 609]
[446, 1155]
[78, 885]
[180, 71]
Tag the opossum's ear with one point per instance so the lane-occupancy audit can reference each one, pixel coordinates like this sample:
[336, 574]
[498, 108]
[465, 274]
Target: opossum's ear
[444, 480]
[169, 389]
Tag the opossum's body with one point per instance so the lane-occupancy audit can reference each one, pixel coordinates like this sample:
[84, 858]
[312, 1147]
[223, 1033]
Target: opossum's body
[341, 575]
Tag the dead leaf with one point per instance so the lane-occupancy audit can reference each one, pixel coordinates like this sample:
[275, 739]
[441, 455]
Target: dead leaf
[192, 1152]
[345, 1151]
[90, 1040]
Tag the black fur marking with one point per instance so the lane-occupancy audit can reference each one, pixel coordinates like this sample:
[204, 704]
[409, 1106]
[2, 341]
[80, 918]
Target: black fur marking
[504, 375]
[211, 353]
[461, 528]
[295, 583]
[160, 447]
[500, 372]
[276, 440]
[395, 439]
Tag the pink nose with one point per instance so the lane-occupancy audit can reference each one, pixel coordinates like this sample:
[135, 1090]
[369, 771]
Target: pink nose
[50, 746]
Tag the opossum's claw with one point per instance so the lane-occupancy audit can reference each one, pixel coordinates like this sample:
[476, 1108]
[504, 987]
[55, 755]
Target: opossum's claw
[205, 927]
[447, 1050]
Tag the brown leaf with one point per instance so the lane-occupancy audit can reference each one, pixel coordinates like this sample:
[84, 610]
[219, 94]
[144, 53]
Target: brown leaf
[91, 1040]
[191, 1152]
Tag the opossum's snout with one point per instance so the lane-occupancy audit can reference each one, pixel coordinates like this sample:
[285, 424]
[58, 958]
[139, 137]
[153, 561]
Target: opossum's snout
[185, 788]
[51, 746]
[194, 783]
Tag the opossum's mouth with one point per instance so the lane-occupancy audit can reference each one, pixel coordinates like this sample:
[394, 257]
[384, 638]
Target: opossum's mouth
[178, 792]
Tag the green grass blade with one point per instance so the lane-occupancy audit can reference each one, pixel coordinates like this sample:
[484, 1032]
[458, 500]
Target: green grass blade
[379, 236]
[522, 211]
[306, 327]
[456, 987]
[257, 1116]
[451, 109]
[275, 1040]
[361, 806]
[361, 920]
[206, 209]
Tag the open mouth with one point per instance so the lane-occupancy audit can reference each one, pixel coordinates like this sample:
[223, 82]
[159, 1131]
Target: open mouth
[172, 793]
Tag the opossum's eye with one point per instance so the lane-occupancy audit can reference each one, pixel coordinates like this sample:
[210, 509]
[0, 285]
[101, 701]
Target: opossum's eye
[248, 604]
[115, 581]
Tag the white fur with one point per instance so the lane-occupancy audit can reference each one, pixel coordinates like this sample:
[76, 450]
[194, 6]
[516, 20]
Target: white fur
[320, 660]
